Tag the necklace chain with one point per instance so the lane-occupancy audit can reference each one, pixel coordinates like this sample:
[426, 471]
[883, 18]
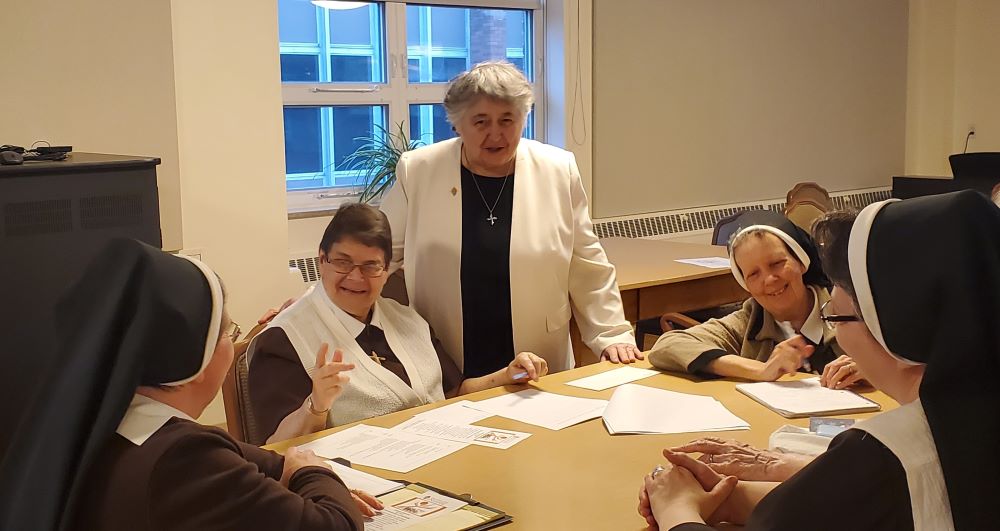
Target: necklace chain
[475, 180]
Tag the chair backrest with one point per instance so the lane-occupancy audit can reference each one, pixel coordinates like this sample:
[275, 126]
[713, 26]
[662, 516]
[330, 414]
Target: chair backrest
[725, 228]
[240, 420]
[809, 191]
[803, 213]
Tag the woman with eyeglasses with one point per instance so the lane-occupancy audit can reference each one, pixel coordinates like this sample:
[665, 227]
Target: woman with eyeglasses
[919, 315]
[343, 353]
[778, 330]
[111, 442]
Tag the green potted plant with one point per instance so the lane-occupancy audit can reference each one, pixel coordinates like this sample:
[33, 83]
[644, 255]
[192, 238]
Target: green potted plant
[376, 160]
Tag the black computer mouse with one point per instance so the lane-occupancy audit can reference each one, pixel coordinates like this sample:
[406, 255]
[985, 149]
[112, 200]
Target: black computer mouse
[11, 158]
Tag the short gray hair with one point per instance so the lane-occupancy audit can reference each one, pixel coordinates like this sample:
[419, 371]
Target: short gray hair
[495, 79]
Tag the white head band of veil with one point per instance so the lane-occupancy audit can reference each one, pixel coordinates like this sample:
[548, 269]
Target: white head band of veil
[857, 257]
[212, 339]
[800, 253]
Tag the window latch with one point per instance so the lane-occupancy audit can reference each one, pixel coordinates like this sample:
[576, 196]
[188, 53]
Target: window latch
[372, 88]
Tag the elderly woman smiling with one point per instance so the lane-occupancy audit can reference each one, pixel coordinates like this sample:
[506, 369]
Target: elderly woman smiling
[496, 237]
[778, 330]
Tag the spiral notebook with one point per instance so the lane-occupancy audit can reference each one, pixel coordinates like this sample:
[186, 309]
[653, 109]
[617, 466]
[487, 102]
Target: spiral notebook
[806, 398]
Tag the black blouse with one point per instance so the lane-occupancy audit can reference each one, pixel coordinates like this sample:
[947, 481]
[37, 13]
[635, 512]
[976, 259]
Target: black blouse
[488, 330]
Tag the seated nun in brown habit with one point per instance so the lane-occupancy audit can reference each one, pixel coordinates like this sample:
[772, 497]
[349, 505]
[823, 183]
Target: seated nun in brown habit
[112, 443]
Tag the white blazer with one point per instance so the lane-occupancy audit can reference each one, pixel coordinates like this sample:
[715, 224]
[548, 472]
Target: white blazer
[557, 264]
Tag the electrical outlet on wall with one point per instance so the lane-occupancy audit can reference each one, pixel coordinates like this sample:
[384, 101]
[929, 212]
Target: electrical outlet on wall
[197, 253]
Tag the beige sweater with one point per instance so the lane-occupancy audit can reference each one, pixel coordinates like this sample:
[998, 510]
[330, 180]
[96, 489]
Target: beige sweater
[749, 332]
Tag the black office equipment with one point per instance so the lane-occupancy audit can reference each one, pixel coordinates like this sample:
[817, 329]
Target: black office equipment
[984, 165]
[53, 217]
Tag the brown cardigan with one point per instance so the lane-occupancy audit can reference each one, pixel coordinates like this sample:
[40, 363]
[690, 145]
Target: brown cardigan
[191, 477]
[749, 332]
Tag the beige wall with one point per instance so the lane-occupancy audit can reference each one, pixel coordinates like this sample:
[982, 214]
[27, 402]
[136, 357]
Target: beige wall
[954, 80]
[977, 74]
[98, 76]
[709, 102]
[230, 143]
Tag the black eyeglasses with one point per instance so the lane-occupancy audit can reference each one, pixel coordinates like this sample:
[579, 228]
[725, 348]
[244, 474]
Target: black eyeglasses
[832, 320]
[368, 269]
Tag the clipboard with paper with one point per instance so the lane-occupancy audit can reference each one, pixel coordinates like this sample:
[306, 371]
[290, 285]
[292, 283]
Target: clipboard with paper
[806, 398]
[419, 507]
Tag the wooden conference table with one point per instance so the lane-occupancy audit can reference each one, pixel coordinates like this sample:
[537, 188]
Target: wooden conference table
[577, 478]
[652, 283]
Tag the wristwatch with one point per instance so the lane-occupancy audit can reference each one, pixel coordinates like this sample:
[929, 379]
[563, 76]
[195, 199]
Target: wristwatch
[312, 409]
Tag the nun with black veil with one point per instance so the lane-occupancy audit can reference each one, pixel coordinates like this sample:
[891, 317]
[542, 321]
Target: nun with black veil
[917, 305]
[111, 442]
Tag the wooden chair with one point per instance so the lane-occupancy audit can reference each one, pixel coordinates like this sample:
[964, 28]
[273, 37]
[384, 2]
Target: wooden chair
[644, 328]
[804, 213]
[240, 420]
[811, 192]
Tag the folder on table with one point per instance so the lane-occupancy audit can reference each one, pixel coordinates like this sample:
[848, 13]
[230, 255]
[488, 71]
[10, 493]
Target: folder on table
[474, 516]
[806, 398]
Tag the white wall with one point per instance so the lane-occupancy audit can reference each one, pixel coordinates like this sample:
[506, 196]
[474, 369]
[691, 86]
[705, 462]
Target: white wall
[231, 151]
[98, 76]
[718, 101]
[953, 83]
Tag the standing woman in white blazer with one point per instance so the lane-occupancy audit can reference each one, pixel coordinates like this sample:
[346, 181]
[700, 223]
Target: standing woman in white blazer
[495, 237]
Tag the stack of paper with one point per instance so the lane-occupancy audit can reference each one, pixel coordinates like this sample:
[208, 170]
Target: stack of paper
[464, 433]
[459, 412]
[803, 398]
[548, 410]
[712, 262]
[358, 480]
[612, 378]
[639, 409]
[382, 448]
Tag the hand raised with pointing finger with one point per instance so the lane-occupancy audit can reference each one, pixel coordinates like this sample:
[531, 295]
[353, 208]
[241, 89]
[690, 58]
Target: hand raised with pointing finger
[328, 378]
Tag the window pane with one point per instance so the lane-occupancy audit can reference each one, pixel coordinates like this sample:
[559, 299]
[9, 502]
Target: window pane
[354, 26]
[298, 67]
[350, 68]
[303, 147]
[413, 69]
[429, 124]
[346, 45]
[451, 39]
[318, 139]
[296, 21]
[446, 68]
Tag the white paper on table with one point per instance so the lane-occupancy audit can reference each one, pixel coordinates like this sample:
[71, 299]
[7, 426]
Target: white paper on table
[478, 435]
[640, 409]
[455, 413]
[382, 448]
[712, 262]
[612, 378]
[356, 479]
[805, 397]
[406, 508]
[548, 410]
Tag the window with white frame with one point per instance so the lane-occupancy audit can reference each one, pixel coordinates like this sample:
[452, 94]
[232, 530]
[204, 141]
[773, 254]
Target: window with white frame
[352, 70]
